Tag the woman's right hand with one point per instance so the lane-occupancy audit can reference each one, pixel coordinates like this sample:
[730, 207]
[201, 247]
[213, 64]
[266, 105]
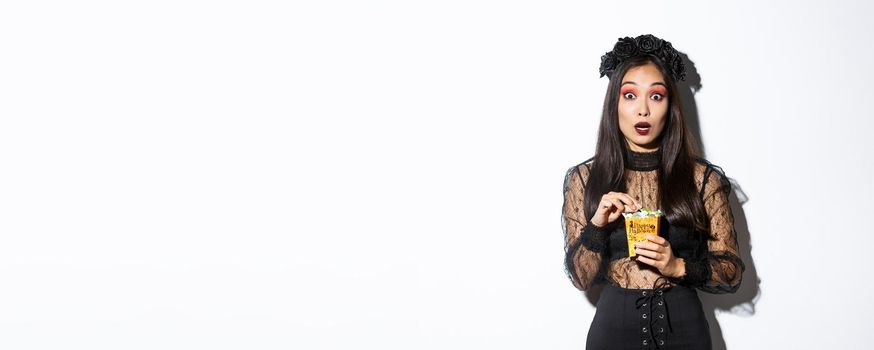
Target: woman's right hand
[611, 206]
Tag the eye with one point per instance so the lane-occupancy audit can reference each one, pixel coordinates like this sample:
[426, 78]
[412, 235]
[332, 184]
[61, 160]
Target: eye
[660, 96]
[628, 93]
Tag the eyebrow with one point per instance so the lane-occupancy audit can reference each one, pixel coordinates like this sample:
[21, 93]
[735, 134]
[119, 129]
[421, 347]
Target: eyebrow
[653, 84]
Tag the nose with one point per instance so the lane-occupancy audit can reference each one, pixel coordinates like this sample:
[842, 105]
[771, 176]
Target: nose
[644, 110]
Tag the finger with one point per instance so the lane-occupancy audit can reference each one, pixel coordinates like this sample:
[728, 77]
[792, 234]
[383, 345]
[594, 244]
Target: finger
[606, 198]
[605, 203]
[631, 201]
[645, 260]
[647, 253]
[617, 203]
[626, 199]
[656, 239]
[650, 246]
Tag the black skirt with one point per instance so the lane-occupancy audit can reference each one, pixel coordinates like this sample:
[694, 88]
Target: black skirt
[660, 318]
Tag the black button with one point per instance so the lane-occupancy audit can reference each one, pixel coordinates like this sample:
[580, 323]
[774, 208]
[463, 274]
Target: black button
[644, 342]
[644, 315]
[644, 329]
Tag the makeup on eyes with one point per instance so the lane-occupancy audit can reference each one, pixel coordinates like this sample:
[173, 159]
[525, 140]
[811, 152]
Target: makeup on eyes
[657, 90]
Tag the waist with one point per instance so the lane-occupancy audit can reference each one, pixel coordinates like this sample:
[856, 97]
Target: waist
[672, 289]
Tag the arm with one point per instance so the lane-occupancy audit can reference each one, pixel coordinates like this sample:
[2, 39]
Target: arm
[584, 242]
[719, 269]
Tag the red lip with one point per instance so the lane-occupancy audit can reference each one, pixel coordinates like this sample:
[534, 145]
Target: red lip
[642, 128]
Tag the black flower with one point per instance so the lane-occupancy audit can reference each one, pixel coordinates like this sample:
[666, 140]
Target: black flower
[608, 63]
[625, 47]
[678, 68]
[648, 43]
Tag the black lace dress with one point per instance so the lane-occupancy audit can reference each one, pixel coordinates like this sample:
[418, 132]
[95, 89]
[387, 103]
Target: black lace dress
[639, 308]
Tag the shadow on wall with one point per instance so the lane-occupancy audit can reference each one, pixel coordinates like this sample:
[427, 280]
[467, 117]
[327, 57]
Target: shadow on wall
[743, 302]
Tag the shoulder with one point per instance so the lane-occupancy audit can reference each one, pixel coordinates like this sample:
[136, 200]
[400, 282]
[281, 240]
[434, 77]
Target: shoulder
[578, 172]
[582, 169]
[710, 177]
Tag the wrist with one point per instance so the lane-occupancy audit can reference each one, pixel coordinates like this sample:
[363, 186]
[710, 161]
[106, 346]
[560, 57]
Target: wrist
[605, 226]
[679, 268]
[594, 237]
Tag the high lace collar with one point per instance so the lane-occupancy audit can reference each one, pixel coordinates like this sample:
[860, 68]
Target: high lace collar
[642, 161]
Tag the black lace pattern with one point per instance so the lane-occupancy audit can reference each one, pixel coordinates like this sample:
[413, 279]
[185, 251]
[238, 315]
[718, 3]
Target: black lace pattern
[594, 254]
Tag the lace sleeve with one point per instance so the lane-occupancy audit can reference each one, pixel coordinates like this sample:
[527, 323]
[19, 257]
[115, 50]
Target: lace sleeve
[720, 268]
[584, 243]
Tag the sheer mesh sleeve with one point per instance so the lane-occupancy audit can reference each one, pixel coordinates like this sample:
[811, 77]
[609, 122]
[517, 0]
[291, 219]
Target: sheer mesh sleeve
[720, 268]
[584, 243]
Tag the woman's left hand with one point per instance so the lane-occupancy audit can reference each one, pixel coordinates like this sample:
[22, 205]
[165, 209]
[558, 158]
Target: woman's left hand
[657, 252]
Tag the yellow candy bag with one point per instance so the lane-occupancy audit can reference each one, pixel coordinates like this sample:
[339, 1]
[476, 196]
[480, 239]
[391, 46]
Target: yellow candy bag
[639, 224]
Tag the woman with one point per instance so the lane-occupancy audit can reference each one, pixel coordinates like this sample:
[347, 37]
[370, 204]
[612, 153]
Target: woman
[645, 158]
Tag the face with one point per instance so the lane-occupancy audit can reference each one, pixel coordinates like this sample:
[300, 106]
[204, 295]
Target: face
[643, 107]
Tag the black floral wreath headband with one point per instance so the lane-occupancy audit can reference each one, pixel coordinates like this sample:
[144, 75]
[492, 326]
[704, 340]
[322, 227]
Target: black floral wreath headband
[646, 44]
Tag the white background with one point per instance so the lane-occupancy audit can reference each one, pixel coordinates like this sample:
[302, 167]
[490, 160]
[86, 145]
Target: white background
[388, 174]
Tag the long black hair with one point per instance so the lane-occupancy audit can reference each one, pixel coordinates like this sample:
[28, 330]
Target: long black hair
[677, 190]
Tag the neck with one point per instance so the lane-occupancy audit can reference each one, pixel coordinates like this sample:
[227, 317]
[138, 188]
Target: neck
[644, 160]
